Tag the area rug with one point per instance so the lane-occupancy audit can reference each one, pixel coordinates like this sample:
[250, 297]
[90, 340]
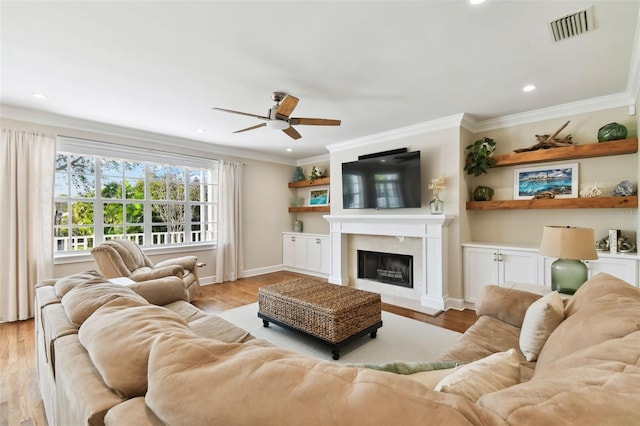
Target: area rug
[399, 339]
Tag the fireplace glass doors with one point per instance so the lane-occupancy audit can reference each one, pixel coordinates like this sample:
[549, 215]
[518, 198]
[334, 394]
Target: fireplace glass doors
[389, 268]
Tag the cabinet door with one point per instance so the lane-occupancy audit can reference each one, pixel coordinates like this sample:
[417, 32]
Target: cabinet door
[313, 254]
[288, 250]
[626, 269]
[325, 256]
[294, 251]
[518, 267]
[480, 269]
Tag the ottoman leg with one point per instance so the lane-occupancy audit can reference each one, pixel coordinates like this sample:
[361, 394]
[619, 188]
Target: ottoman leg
[265, 323]
[336, 354]
[374, 334]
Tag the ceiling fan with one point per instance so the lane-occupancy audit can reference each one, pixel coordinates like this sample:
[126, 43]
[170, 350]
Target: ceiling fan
[279, 116]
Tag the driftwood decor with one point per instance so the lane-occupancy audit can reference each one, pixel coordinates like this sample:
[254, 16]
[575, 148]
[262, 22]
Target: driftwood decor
[549, 141]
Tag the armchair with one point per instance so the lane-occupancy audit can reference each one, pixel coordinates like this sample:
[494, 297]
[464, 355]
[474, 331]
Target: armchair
[123, 258]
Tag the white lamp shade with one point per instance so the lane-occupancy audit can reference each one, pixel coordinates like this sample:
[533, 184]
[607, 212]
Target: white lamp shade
[566, 242]
[278, 124]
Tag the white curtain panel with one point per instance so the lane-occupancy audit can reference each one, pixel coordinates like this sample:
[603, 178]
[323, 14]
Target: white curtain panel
[229, 260]
[27, 167]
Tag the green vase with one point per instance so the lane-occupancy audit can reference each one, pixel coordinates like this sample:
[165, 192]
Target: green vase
[482, 193]
[612, 132]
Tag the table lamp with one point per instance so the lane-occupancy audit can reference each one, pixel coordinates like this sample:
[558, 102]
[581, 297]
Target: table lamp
[570, 245]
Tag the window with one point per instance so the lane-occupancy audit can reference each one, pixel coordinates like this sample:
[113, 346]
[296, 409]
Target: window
[153, 203]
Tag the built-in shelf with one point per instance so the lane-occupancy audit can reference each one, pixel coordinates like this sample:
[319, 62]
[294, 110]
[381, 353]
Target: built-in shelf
[557, 203]
[307, 209]
[307, 183]
[600, 149]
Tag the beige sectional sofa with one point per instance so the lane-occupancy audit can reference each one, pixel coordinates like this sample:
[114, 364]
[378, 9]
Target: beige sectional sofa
[107, 355]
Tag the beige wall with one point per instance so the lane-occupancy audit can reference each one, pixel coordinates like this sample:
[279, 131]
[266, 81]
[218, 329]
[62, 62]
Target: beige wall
[265, 201]
[525, 226]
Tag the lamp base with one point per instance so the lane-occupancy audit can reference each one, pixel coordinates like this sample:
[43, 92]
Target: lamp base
[567, 275]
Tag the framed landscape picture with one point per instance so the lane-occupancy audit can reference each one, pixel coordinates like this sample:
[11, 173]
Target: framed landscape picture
[319, 197]
[560, 179]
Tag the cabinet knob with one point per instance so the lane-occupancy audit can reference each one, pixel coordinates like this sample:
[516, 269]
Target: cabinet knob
[317, 240]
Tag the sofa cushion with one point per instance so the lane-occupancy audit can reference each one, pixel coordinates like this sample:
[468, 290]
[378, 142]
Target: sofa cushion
[597, 385]
[214, 327]
[119, 339]
[603, 308]
[493, 373]
[161, 291]
[244, 384]
[542, 317]
[83, 300]
[506, 304]
[487, 336]
[66, 284]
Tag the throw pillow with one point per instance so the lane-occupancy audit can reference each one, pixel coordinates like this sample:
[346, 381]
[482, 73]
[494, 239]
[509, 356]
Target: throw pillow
[118, 340]
[401, 367]
[541, 318]
[432, 377]
[493, 373]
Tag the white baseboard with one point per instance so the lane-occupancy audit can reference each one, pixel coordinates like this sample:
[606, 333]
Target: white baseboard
[454, 303]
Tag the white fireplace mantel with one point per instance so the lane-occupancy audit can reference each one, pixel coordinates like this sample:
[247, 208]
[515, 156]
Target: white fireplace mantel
[430, 228]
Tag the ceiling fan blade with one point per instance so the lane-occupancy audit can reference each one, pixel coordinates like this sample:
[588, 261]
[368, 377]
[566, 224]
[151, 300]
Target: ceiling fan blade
[293, 133]
[251, 128]
[261, 117]
[314, 121]
[286, 107]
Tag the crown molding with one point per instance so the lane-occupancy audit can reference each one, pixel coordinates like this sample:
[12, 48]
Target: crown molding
[323, 158]
[579, 107]
[403, 132]
[169, 143]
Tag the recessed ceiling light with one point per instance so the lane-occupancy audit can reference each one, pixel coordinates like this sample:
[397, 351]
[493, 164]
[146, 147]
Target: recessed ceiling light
[529, 88]
[202, 131]
[476, 1]
[39, 95]
[289, 149]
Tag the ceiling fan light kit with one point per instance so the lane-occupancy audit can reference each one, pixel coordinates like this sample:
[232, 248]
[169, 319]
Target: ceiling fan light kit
[279, 116]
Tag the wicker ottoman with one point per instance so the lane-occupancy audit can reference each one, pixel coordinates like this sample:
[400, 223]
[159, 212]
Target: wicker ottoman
[334, 315]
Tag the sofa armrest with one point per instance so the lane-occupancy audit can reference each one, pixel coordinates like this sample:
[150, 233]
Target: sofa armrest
[155, 273]
[186, 262]
[506, 304]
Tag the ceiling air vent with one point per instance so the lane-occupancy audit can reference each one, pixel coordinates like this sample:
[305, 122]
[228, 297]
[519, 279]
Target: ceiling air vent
[572, 25]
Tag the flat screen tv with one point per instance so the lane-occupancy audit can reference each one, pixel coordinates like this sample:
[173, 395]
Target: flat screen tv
[386, 181]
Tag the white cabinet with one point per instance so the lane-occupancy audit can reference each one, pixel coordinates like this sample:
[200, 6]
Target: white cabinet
[623, 266]
[497, 265]
[306, 253]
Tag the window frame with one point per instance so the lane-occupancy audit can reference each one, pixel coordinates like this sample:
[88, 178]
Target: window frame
[149, 157]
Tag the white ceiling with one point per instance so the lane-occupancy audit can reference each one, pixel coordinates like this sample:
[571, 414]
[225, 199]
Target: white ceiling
[160, 66]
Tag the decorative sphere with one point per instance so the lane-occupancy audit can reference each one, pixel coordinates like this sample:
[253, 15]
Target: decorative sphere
[612, 132]
[482, 193]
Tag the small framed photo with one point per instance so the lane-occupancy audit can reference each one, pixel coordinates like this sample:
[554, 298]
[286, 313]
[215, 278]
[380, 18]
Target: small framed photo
[319, 197]
[559, 179]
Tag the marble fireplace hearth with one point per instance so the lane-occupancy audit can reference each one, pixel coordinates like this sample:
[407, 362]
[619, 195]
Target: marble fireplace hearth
[421, 236]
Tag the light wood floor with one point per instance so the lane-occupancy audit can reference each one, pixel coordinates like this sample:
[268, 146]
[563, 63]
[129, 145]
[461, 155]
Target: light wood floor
[20, 402]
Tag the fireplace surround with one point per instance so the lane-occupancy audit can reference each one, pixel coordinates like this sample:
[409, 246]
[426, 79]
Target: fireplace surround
[430, 229]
